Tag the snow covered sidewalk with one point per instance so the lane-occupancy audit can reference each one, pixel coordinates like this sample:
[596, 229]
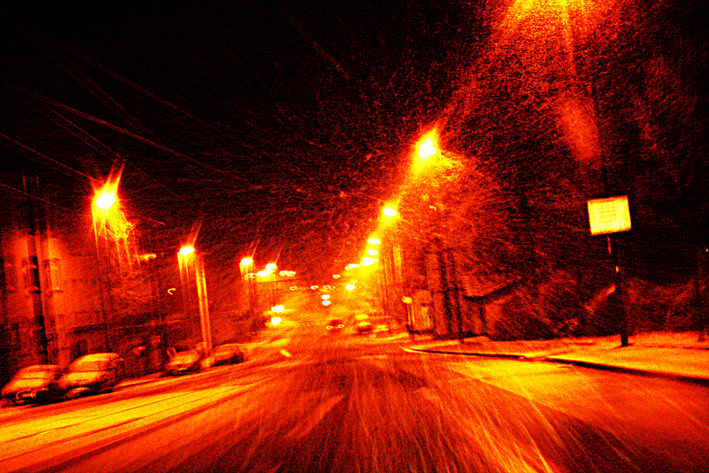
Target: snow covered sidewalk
[676, 355]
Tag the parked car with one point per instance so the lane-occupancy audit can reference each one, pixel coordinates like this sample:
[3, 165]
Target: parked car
[227, 354]
[92, 374]
[183, 362]
[34, 384]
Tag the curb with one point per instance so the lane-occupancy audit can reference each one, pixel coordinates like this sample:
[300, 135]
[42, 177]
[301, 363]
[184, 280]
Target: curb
[508, 356]
[697, 380]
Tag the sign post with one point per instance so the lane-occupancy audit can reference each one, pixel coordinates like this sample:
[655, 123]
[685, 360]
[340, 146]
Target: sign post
[608, 216]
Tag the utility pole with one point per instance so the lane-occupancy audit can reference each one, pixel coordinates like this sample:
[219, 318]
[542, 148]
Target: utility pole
[35, 288]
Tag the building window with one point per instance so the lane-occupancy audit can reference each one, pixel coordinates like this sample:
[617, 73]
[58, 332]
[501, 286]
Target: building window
[53, 277]
[10, 277]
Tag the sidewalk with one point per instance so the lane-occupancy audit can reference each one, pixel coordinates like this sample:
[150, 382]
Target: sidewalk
[672, 355]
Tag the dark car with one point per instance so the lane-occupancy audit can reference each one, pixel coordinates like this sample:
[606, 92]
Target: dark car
[184, 362]
[34, 384]
[92, 374]
[364, 327]
[335, 325]
[227, 354]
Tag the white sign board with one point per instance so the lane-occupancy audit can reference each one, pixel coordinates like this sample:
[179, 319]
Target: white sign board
[609, 215]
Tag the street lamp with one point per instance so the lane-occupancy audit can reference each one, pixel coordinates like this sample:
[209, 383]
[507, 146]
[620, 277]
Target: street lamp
[427, 149]
[246, 267]
[103, 201]
[187, 254]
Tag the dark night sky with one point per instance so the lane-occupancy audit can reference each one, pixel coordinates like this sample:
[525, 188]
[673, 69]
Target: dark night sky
[283, 125]
[273, 122]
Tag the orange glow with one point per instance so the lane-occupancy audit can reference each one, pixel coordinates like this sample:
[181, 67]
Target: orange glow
[105, 199]
[427, 146]
[427, 149]
[186, 250]
[578, 123]
[390, 212]
[549, 14]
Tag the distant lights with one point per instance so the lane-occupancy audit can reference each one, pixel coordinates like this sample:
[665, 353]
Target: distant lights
[368, 261]
[336, 276]
[275, 320]
[350, 286]
[372, 252]
[390, 212]
[278, 308]
[326, 303]
[247, 261]
[374, 241]
[325, 297]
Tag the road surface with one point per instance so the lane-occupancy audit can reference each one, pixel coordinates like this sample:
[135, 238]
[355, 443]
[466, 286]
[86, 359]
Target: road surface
[318, 402]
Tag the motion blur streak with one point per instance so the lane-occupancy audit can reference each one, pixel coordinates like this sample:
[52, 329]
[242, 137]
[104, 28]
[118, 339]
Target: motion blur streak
[359, 404]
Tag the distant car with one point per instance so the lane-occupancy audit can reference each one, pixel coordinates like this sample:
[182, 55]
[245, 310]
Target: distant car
[92, 374]
[364, 326]
[227, 354]
[335, 325]
[184, 362]
[34, 384]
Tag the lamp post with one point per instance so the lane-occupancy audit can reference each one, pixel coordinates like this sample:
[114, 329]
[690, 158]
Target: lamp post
[103, 202]
[428, 155]
[393, 266]
[589, 139]
[246, 267]
[185, 256]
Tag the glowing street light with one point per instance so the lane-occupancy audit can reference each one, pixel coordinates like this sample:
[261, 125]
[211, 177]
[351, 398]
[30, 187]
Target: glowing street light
[372, 252]
[427, 149]
[105, 199]
[186, 250]
[368, 261]
[390, 212]
[374, 241]
[247, 261]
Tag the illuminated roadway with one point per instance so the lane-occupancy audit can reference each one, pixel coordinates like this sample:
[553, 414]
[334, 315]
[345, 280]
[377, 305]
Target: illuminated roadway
[310, 401]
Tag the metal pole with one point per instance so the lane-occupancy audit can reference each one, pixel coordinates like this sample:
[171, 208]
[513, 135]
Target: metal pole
[203, 305]
[35, 286]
